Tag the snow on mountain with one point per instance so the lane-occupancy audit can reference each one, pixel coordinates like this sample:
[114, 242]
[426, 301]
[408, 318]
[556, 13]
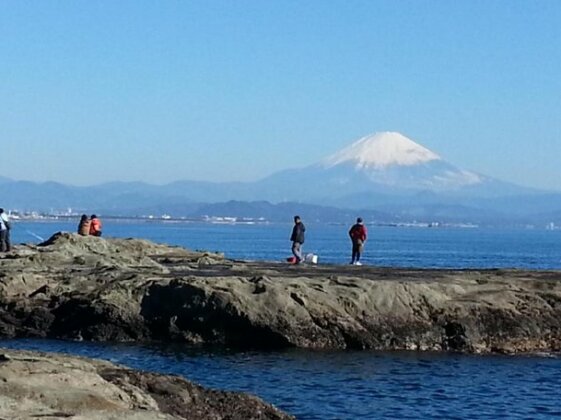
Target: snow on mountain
[380, 165]
[381, 150]
[393, 160]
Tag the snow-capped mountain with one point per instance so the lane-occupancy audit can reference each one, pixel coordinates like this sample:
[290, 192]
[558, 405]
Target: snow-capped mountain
[385, 163]
[382, 150]
[391, 159]
[384, 172]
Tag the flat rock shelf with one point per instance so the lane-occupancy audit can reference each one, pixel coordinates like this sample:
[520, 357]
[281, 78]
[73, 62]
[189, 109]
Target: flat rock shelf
[88, 288]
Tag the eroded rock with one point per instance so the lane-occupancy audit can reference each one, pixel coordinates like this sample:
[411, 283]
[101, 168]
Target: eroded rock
[48, 385]
[90, 288]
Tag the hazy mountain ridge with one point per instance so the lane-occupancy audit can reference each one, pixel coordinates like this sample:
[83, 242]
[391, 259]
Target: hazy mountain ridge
[384, 207]
[385, 175]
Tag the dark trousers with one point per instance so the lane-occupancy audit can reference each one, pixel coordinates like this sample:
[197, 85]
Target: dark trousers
[357, 250]
[5, 244]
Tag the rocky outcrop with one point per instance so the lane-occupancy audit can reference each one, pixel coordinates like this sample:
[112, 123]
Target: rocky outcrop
[52, 386]
[89, 288]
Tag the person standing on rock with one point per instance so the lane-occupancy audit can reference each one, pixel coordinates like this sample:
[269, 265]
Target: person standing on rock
[5, 227]
[84, 226]
[297, 238]
[358, 235]
[95, 226]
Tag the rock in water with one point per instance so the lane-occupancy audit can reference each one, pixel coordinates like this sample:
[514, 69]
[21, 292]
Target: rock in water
[48, 385]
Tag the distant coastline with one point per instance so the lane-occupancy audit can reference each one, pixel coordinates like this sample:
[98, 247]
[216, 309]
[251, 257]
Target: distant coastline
[226, 220]
[234, 220]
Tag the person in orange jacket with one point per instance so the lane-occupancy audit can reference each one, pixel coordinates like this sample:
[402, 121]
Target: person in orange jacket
[95, 226]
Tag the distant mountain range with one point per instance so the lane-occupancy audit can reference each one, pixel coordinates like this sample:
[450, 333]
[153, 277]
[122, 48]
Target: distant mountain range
[385, 176]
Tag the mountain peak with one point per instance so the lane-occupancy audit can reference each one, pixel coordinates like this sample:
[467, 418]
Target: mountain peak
[381, 150]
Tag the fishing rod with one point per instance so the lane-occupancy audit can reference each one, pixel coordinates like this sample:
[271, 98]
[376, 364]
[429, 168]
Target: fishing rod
[35, 236]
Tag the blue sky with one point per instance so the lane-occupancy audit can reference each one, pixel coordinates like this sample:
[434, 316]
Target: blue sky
[234, 90]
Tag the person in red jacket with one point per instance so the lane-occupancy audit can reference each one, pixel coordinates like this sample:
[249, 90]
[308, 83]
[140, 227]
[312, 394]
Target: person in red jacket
[95, 226]
[358, 235]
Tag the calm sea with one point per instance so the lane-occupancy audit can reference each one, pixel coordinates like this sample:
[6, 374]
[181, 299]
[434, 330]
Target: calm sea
[387, 246]
[351, 385]
[354, 385]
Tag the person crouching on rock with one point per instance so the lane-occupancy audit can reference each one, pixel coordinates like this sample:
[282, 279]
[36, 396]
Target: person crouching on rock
[358, 237]
[297, 238]
[95, 226]
[84, 226]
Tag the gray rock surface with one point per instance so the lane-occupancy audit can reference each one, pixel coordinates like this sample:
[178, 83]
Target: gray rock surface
[52, 386]
[90, 288]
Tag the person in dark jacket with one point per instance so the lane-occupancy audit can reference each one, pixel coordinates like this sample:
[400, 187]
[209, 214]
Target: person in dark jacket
[297, 238]
[358, 235]
[84, 226]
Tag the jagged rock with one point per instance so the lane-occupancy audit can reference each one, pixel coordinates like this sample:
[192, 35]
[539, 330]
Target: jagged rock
[89, 288]
[48, 385]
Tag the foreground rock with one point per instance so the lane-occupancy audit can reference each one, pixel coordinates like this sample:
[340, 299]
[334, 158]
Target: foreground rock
[47, 385]
[91, 288]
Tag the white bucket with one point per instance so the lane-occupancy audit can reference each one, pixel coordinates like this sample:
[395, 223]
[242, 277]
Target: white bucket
[311, 258]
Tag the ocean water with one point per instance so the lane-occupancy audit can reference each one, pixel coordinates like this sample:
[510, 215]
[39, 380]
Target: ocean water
[354, 385]
[350, 385]
[387, 246]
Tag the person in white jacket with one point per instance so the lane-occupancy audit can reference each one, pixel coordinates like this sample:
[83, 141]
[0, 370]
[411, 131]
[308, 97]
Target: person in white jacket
[5, 244]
